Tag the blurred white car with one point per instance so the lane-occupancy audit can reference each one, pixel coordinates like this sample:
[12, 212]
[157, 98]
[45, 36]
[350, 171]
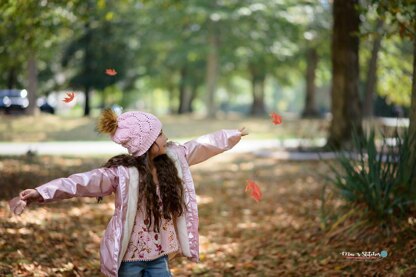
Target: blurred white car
[13, 100]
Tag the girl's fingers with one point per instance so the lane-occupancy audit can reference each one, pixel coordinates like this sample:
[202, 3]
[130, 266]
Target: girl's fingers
[23, 194]
[26, 194]
[243, 131]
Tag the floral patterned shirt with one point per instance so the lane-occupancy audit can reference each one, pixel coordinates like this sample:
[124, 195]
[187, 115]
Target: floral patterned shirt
[147, 245]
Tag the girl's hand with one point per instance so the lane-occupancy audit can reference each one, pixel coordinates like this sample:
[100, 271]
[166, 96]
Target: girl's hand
[30, 195]
[243, 131]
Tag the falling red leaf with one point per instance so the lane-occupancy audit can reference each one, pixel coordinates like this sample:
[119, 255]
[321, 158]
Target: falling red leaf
[110, 71]
[254, 189]
[277, 119]
[69, 97]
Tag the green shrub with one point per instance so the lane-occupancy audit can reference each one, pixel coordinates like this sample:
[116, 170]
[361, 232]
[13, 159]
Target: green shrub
[376, 180]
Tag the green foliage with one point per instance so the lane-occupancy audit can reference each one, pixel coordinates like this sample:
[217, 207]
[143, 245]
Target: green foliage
[29, 27]
[394, 69]
[377, 179]
[161, 43]
[99, 42]
[155, 41]
[399, 14]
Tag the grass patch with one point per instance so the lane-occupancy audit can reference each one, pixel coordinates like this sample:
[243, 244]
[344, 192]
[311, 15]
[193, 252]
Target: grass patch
[55, 128]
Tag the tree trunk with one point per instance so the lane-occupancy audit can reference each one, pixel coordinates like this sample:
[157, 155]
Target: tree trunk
[87, 100]
[194, 89]
[257, 83]
[12, 78]
[103, 99]
[32, 73]
[87, 67]
[184, 93]
[372, 73]
[312, 63]
[185, 100]
[171, 93]
[212, 69]
[412, 116]
[345, 107]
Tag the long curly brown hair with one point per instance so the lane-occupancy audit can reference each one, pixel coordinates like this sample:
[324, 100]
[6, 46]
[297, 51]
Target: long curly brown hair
[170, 186]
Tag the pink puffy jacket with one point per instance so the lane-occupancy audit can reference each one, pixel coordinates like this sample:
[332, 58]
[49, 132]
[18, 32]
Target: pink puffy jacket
[124, 182]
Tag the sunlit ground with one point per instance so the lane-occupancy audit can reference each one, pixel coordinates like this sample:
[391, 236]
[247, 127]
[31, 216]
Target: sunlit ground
[282, 235]
[54, 128]
[46, 127]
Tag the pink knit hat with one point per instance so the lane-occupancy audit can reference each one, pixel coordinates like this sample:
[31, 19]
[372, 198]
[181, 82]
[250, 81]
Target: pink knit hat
[136, 131]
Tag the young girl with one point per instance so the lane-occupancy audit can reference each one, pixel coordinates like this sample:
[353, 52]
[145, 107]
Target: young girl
[156, 212]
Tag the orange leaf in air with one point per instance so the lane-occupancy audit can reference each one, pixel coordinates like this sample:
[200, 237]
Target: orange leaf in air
[69, 97]
[254, 189]
[277, 119]
[110, 71]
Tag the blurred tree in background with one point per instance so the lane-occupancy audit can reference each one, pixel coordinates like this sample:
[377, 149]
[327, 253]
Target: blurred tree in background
[27, 30]
[101, 37]
[188, 50]
[401, 15]
[208, 56]
[346, 110]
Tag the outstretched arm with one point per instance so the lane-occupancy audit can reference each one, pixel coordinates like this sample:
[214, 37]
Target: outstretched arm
[207, 146]
[94, 183]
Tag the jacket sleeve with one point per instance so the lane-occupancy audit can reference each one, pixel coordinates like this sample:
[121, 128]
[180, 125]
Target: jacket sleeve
[94, 183]
[207, 146]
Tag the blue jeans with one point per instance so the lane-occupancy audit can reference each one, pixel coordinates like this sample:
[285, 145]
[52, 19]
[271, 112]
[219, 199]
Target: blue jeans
[155, 268]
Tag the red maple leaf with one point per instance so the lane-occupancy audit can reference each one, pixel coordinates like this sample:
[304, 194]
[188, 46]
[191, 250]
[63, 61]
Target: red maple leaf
[69, 97]
[254, 189]
[276, 119]
[110, 71]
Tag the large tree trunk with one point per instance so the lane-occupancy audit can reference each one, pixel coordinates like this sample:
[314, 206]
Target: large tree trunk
[372, 73]
[212, 69]
[32, 76]
[345, 107]
[257, 83]
[312, 63]
[412, 116]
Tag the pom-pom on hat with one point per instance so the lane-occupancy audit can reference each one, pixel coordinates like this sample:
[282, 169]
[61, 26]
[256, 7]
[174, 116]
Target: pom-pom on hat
[136, 131]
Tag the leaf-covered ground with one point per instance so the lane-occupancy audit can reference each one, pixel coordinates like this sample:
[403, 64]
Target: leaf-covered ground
[282, 235]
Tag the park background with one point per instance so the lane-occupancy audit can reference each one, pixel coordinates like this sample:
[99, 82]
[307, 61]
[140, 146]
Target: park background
[336, 71]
